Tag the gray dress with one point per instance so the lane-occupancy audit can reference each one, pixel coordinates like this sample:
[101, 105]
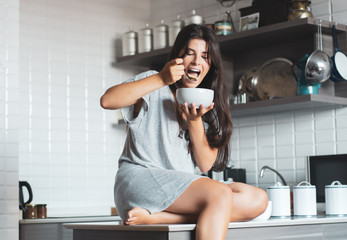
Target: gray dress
[155, 167]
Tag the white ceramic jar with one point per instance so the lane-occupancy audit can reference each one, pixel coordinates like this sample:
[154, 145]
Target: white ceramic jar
[336, 199]
[194, 19]
[175, 28]
[161, 36]
[280, 197]
[304, 199]
[129, 41]
[145, 39]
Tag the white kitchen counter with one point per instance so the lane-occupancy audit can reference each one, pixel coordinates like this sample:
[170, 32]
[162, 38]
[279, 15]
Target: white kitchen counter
[70, 219]
[320, 227]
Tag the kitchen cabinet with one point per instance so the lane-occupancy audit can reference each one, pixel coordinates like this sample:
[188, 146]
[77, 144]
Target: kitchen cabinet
[243, 51]
[52, 228]
[320, 227]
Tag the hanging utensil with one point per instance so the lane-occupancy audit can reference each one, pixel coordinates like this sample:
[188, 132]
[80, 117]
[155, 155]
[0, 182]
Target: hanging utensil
[339, 62]
[315, 68]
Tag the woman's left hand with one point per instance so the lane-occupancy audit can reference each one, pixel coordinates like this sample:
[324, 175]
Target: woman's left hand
[194, 113]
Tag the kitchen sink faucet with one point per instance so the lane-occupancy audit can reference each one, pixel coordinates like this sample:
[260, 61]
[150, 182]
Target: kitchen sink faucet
[262, 170]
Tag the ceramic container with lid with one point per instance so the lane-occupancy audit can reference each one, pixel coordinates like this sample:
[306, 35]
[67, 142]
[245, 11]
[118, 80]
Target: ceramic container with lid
[145, 39]
[280, 197]
[304, 196]
[175, 28]
[129, 41]
[194, 19]
[336, 199]
[161, 36]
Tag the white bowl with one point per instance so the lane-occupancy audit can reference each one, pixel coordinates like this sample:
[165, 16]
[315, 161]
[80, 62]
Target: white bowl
[199, 96]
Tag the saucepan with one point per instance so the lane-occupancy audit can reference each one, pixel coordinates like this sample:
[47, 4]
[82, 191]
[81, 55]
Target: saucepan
[339, 68]
[312, 69]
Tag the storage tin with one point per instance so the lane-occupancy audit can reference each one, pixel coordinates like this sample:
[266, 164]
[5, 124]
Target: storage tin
[129, 41]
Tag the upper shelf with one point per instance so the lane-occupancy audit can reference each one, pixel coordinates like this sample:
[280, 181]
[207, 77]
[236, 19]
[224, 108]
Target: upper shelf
[285, 104]
[274, 34]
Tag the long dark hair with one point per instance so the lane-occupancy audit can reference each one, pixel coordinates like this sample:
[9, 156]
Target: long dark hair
[218, 119]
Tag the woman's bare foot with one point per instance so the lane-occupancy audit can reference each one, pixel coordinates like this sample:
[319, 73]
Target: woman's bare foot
[139, 215]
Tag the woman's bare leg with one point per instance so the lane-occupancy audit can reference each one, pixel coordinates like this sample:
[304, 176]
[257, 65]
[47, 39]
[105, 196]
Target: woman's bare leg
[198, 201]
[206, 201]
[139, 215]
[249, 201]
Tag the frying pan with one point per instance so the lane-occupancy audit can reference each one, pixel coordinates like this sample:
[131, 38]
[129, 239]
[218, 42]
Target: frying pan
[274, 79]
[339, 69]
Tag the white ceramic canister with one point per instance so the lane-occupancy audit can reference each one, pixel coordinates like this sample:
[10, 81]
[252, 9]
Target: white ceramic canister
[161, 36]
[175, 28]
[146, 39]
[336, 199]
[194, 19]
[129, 41]
[280, 197]
[305, 200]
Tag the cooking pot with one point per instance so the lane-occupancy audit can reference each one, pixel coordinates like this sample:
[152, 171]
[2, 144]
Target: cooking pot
[22, 202]
[339, 60]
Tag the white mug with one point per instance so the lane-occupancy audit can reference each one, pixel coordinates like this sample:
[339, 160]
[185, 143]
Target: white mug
[280, 197]
[305, 201]
[336, 199]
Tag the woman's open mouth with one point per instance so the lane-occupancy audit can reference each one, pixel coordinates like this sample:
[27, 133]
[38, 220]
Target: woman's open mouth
[192, 74]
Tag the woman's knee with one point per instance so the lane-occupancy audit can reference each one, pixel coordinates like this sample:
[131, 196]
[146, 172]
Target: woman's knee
[221, 195]
[260, 201]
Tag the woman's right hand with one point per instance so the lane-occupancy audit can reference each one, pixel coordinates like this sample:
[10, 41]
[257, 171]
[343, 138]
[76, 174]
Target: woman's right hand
[172, 71]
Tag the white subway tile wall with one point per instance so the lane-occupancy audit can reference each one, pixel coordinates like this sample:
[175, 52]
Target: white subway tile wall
[9, 118]
[69, 145]
[62, 54]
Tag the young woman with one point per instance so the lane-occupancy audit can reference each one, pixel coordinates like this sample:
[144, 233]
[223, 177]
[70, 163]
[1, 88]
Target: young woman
[155, 182]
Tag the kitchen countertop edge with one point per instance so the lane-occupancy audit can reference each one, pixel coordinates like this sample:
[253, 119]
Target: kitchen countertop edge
[70, 219]
[187, 227]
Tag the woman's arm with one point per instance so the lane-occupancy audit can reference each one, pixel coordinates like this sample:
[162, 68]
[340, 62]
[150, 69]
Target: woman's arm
[127, 94]
[204, 155]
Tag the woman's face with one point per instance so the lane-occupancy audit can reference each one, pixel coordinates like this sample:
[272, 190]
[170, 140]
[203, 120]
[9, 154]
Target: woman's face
[196, 63]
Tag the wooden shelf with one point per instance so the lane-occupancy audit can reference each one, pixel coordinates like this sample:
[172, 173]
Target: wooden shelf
[287, 104]
[290, 39]
[279, 33]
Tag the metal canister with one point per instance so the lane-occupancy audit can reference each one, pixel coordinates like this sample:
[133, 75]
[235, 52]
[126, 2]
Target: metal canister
[129, 41]
[145, 39]
[194, 19]
[175, 28]
[223, 28]
[161, 36]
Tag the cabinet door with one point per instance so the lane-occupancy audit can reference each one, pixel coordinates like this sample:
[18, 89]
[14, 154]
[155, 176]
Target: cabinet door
[66, 234]
[39, 232]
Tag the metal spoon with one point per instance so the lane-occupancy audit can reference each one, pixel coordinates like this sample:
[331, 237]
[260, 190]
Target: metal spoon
[189, 77]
